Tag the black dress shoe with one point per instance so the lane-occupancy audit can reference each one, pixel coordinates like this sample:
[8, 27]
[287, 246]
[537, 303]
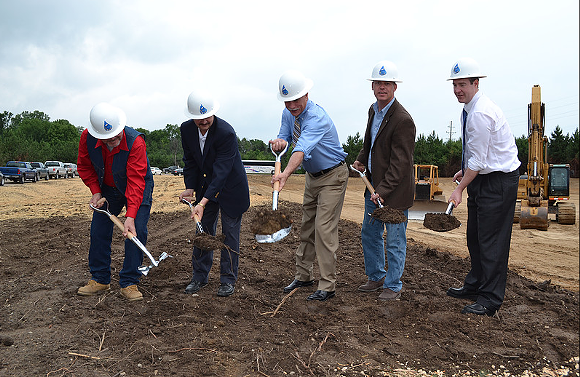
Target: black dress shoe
[462, 293]
[478, 309]
[194, 286]
[225, 289]
[297, 284]
[321, 295]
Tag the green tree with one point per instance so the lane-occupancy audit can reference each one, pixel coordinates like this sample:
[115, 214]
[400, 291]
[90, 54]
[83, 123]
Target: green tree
[557, 145]
[523, 148]
[352, 147]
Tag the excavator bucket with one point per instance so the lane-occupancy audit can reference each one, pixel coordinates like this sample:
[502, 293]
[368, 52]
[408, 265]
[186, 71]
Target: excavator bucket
[421, 207]
[534, 217]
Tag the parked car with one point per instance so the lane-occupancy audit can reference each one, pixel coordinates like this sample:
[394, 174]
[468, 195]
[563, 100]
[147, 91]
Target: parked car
[56, 169]
[178, 171]
[41, 170]
[71, 169]
[1, 179]
[155, 170]
[170, 169]
[19, 171]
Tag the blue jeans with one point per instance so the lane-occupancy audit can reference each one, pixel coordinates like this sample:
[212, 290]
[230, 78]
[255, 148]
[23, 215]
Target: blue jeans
[201, 260]
[374, 248]
[102, 234]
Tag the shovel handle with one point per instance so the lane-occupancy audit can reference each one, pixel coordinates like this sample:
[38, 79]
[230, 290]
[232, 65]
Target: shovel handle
[277, 169]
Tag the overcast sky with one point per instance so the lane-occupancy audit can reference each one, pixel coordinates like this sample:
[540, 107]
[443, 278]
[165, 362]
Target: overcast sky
[62, 57]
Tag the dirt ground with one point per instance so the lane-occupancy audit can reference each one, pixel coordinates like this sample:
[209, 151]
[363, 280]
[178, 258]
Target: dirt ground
[47, 330]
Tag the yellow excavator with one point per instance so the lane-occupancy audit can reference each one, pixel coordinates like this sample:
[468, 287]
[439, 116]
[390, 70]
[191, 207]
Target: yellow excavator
[546, 187]
[429, 197]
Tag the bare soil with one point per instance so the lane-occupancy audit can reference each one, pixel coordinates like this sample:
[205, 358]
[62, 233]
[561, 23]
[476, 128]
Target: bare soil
[48, 330]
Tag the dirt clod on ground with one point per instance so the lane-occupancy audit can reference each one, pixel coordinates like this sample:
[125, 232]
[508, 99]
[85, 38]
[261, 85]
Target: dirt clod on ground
[267, 221]
[440, 222]
[389, 215]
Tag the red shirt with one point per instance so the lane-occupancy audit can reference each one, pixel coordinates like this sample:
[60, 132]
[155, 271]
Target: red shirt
[136, 169]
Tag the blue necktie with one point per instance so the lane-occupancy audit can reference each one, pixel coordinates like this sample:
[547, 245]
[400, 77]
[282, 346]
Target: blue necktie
[463, 144]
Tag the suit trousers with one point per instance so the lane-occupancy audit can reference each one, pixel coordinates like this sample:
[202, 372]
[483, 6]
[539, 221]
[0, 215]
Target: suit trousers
[490, 211]
[321, 208]
[201, 260]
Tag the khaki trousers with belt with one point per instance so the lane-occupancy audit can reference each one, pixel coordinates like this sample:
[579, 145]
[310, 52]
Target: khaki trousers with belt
[321, 208]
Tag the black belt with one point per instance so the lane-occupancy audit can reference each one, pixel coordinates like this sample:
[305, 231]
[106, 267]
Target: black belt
[324, 171]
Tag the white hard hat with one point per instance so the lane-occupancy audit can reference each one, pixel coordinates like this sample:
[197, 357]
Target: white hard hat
[201, 105]
[385, 71]
[107, 121]
[465, 68]
[293, 85]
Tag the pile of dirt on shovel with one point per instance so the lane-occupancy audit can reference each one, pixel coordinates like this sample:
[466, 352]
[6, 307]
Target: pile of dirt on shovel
[206, 241]
[389, 215]
[268, 221]
[440, 222]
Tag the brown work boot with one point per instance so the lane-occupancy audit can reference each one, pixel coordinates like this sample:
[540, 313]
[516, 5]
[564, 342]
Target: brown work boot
[389, 295]
[371, 286]
[131, 293]
[92, 288]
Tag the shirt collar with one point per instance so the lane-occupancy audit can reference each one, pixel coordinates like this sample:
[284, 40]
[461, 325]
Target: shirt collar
[469, 106]
[303, 113]
[385, 109]
[121, 146]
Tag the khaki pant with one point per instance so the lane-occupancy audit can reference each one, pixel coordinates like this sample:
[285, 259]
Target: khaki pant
[322, 205]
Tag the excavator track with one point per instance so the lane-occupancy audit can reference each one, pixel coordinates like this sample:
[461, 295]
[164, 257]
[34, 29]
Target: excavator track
[566, 213]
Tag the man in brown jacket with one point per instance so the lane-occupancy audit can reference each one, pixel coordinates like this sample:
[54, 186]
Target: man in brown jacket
[387, 155]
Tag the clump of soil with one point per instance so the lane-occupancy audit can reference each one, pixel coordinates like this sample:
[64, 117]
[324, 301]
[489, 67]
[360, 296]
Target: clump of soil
[440, 222]
[389, 215]
[268, 221]
[206, 241]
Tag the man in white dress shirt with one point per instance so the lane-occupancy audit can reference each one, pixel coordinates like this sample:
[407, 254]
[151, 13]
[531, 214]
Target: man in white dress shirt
[490, 173]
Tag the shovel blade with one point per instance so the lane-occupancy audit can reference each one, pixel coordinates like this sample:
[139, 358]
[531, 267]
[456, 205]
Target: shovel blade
[274, 237]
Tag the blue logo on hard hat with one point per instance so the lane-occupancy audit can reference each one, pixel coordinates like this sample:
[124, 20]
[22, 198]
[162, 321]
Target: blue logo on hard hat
[382, 71]
[284, 90]
[202, 110]
[107, 126]
[456, 69]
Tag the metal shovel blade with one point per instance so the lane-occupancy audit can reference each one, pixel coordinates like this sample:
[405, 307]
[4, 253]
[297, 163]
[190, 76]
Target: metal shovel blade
[274, 237]
[144, 270]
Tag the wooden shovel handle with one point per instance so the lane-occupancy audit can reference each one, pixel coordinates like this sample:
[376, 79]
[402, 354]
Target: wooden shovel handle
[368, 184]
[195, 217]
[116, 220]
[277, 169]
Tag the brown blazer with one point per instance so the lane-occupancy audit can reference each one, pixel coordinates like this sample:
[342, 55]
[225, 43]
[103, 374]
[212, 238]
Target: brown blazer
[392, 157]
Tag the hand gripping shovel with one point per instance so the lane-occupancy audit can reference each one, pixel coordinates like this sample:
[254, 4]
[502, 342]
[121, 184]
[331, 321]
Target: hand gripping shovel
[143, 269]
[280, 234]
[195, 218]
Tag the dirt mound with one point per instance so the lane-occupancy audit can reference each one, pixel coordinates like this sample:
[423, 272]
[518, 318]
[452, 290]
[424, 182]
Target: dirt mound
[57, 333]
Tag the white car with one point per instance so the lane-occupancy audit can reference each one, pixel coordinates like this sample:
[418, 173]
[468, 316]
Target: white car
[155, 170]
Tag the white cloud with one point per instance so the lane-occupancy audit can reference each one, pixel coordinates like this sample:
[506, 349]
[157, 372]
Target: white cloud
[64, 56]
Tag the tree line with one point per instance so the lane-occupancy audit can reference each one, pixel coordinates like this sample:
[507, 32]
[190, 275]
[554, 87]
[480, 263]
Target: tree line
[32, 136]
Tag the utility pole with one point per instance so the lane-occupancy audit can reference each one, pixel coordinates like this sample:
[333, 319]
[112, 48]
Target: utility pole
[450, 132]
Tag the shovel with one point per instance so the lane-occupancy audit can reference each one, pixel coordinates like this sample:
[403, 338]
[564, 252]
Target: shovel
[442, 222]
[195, 217]
[384, 214]
[143, 269]
[367, 183]
[276, 236]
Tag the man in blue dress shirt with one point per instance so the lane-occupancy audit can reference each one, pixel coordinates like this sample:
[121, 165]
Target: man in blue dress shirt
[317, 148]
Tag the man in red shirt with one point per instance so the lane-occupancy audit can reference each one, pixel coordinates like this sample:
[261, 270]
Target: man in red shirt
[113, 164]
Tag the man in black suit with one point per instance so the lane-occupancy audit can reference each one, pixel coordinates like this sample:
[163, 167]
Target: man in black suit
[215, 173]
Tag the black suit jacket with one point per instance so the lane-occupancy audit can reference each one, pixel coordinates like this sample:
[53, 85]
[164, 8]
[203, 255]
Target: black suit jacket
[218, 174]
